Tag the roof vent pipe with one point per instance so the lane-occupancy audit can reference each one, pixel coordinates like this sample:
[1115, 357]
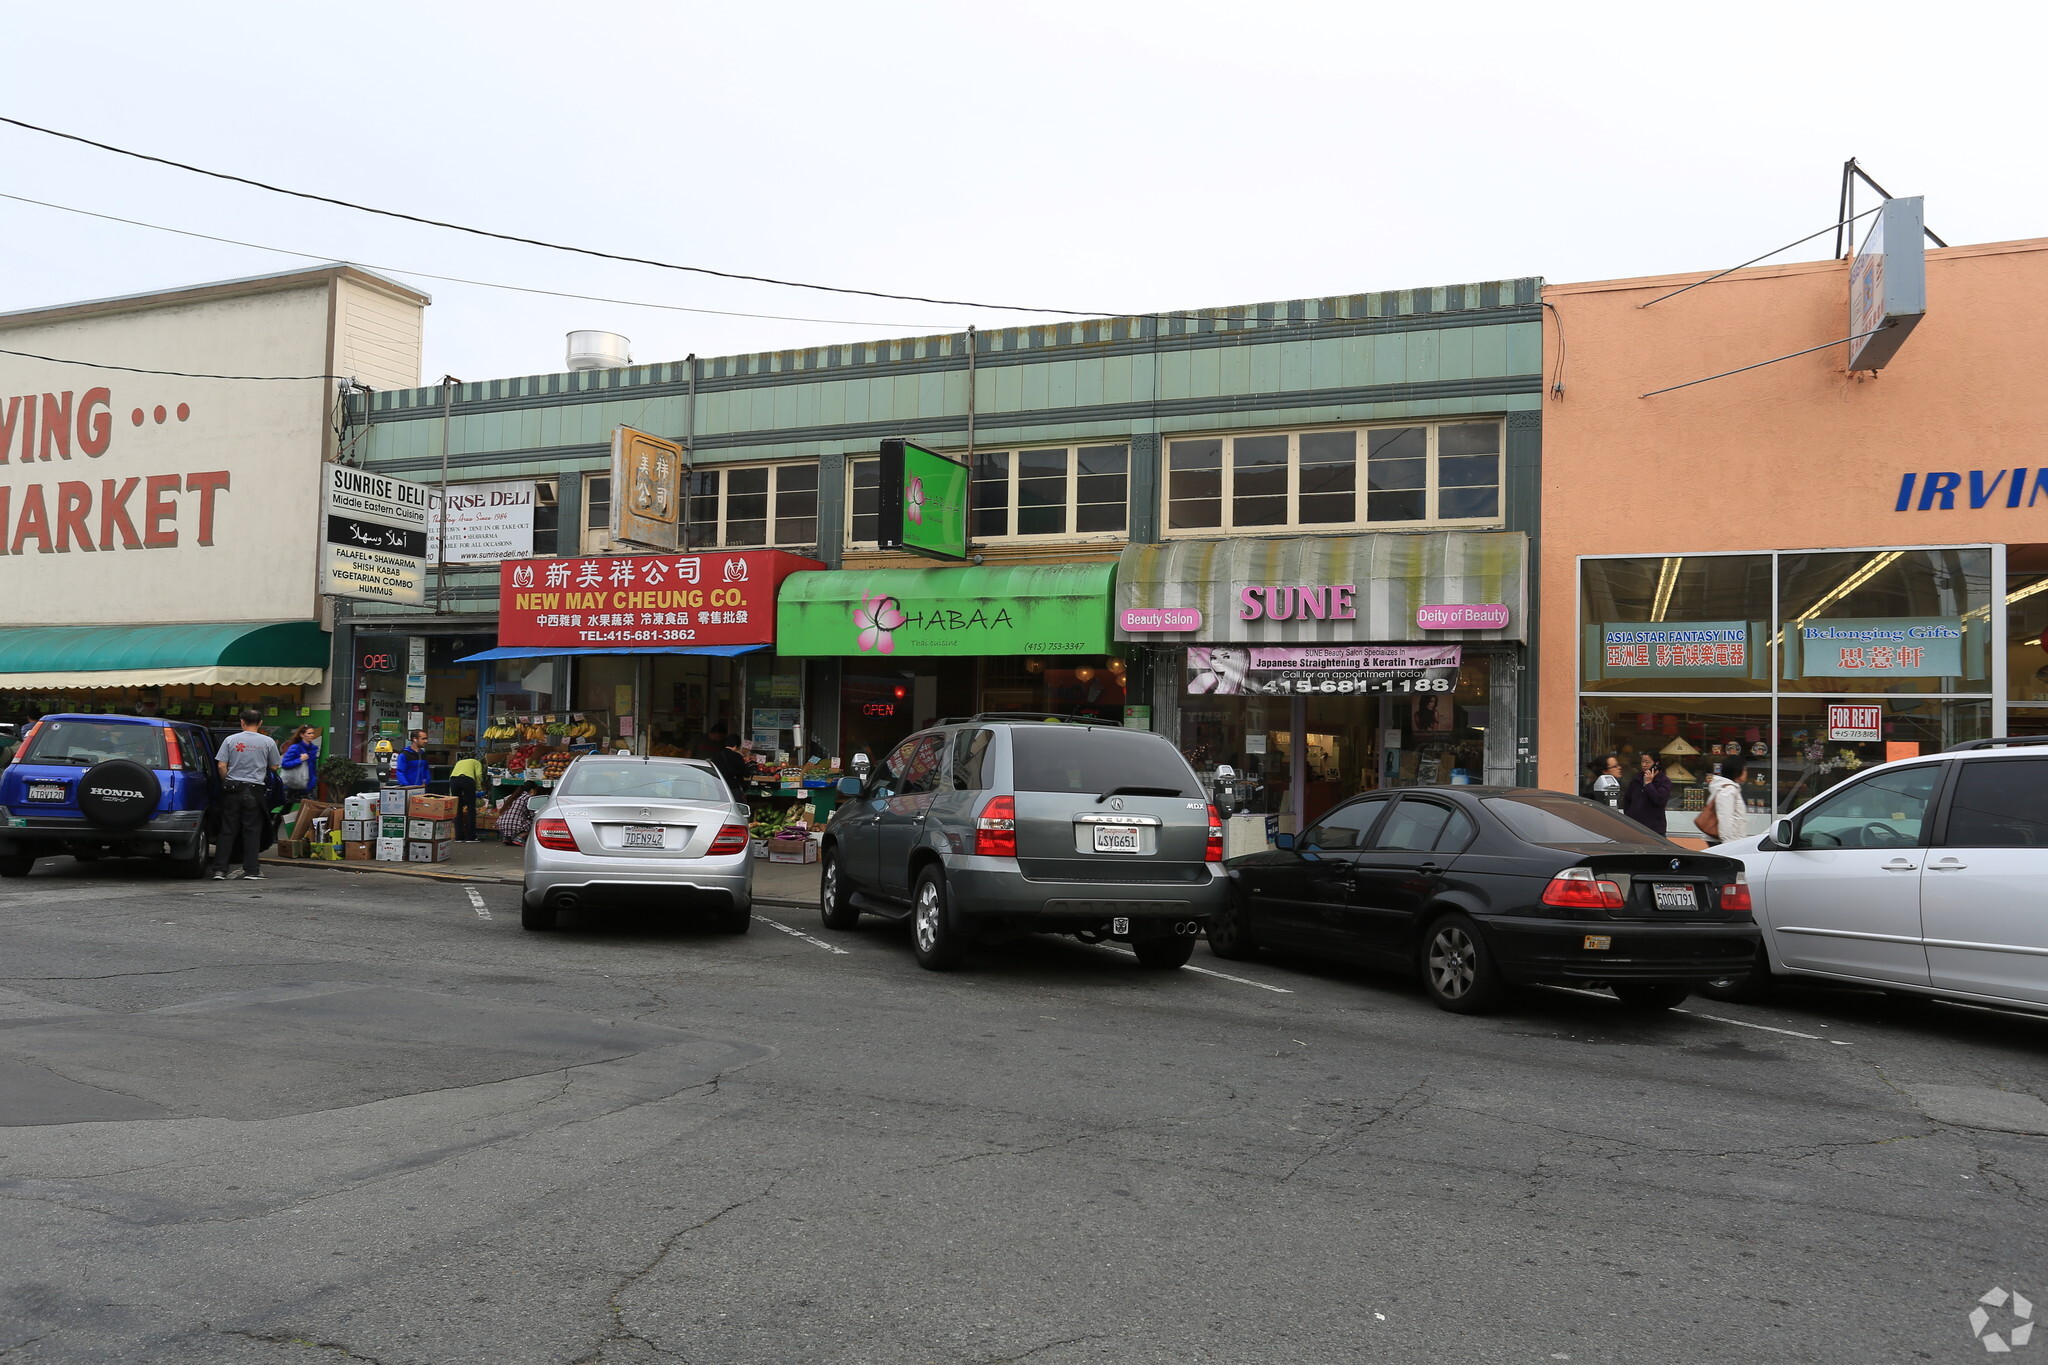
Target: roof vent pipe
[598, 351]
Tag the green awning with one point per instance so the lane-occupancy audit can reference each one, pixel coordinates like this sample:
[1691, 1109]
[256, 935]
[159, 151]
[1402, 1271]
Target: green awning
[280, 653]
[989, 609]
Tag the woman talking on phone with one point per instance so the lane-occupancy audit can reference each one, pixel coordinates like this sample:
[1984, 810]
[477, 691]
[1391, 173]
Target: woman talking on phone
[1649, 791]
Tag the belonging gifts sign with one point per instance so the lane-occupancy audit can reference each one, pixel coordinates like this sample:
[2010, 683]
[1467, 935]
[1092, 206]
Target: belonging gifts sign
[644, 601]
[1927, 647]
[1288, 670]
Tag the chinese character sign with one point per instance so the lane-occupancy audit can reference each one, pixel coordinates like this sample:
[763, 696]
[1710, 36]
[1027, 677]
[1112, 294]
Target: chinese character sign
[1686, 649]
[716, 597]
[1901, 647]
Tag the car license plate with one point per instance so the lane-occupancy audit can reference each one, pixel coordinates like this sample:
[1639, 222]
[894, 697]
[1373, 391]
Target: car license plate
[645, 836]
[46, 791]
[1676, 898]
[1120, 927]
[1116, 838]
[1599, 941]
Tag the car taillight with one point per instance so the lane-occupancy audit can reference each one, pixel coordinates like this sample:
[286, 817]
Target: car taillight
[172, 753]
[995, 829]
[553, 832]
[731, 839]
[1212, 852]
[1576, 888]
[1735, 896]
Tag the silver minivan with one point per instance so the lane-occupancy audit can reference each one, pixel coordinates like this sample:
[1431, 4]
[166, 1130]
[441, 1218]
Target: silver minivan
[989, 829]
[1927, 876]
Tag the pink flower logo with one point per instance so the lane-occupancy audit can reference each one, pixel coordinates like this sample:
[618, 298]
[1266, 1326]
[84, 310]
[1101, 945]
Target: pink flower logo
[913, 500]
[875, 618]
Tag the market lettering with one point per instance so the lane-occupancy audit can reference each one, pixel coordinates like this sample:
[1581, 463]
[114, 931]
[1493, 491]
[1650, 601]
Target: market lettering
[1938, 488]
[64, 416]
[60, 520]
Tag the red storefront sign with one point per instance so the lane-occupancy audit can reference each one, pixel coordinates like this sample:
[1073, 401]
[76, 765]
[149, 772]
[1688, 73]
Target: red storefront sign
[713, 597]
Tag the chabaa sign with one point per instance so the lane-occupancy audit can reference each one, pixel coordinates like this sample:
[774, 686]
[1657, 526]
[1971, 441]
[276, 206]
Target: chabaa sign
[722, 597]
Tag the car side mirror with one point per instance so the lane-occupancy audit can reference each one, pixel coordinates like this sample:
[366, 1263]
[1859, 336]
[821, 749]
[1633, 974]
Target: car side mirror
[1283, 841]
[849, 786]
[1784, 833]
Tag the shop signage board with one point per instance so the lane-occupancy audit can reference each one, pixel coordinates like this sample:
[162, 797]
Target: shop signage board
[1007, 609]
[922, 502]
[647, 490]
[1326, 589]
[486, 522]
[1223, 671]
[1894, 647]
[1678, 649]
[1887, 283]
[1855, 724]
[375, 545]
[720, 597]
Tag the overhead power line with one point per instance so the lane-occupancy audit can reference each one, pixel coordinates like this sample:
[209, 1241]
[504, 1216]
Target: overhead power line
[181, 374]
[535, 241]
[457, 279]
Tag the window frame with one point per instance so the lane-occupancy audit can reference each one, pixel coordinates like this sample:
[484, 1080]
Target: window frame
[1294, 525]
[1012, 450]
[770, 517]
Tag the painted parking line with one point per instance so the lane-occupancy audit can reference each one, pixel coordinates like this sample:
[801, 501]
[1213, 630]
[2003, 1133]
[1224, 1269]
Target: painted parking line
[1766, 1028]
[798, 933]
[1205, 971]
[476, 898]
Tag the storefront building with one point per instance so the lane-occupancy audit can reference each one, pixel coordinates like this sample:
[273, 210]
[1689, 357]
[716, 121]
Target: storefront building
[1407, 412]
[159, 532]
[1296, 671]
[1814, 567]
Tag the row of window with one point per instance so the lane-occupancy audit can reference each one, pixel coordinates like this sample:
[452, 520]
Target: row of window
[1447, 473]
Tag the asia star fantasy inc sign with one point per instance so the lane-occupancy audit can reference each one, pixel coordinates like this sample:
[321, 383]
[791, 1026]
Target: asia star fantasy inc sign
[720, 597]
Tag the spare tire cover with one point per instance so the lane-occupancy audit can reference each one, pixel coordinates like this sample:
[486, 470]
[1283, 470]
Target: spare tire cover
[118, 794]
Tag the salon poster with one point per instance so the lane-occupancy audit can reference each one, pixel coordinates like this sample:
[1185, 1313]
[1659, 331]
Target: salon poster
[1323, 670]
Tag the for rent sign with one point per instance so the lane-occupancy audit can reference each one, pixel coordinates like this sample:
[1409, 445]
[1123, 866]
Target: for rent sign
[722, 597]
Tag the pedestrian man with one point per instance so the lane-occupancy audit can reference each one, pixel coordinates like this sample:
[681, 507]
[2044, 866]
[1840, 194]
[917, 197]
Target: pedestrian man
[411, 768]
[462, 783]
[246, 761]
[730, 762]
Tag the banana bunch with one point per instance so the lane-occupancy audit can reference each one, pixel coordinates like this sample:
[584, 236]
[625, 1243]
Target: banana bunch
[502, 730]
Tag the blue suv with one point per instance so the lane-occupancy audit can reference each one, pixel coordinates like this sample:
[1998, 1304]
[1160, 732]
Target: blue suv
[112, 786]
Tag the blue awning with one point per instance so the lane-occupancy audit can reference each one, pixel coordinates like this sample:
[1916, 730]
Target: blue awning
[550, 651]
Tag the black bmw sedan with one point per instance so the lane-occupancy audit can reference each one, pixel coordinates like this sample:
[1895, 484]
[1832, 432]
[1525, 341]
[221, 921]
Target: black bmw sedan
[1482, 889]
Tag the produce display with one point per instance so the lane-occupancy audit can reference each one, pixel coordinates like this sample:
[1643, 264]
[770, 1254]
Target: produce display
[521, 748]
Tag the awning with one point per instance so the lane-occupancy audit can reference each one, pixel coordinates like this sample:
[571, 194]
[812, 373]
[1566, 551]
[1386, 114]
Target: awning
[284, 653]
[988, 609]
[1382, 587]
[550, 651]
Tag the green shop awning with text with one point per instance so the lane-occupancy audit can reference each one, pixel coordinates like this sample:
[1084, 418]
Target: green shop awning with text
[1008, 609]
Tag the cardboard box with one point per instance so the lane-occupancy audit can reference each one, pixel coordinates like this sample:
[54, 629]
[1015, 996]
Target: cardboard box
[305, 820]
[427, 850]
[362, 806]
[293, 848]
[357, 831]
[424, 807]
[392, 800]
[430, 829]
[391, 850]
[390, 827]
[359, 850]
[797, 850]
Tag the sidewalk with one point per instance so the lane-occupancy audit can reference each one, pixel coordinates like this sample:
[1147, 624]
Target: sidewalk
[491, 861]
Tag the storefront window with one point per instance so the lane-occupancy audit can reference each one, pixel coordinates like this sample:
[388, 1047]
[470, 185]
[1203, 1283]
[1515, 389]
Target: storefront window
[1813, 758]
[1885, 621]
[1676, 624]
[2026, 639]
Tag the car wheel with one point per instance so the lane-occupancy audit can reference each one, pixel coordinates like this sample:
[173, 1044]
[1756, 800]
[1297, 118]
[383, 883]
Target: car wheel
[540, 919]
[1650, 995]
[834, 896]
[1165, 952]
[1457, 967]
[935, 934]
[194, 867]
[1756, 984]
[16, 865]
[1230, 932]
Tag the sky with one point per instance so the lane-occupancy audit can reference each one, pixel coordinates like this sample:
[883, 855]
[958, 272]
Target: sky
[1106, 157]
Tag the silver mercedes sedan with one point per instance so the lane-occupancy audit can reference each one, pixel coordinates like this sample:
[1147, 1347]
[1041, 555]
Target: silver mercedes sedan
[658, 832]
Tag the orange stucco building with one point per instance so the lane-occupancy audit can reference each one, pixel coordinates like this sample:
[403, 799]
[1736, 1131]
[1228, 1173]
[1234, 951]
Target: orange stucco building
[1813, 567]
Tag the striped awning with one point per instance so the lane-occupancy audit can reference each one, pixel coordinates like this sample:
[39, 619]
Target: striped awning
[1389, 575]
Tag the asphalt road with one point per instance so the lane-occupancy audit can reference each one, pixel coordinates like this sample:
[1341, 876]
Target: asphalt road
[327, 1117]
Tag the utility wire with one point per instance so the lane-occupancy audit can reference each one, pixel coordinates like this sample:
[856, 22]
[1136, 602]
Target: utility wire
[456, 279]
[535, 241]
[181, 374]
[1831, 227]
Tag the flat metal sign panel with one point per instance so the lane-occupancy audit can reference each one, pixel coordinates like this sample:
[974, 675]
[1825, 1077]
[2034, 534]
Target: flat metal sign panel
[647, 490]
[376, 536]
[1887, 284]
[720, 597]
[922, 502]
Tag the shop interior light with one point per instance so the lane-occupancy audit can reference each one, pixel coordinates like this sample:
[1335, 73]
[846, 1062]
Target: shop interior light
[1667, 583]
[1983, 613]
[1878, 564]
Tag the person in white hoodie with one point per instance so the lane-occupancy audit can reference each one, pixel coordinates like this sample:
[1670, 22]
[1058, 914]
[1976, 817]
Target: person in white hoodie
[1724, 799]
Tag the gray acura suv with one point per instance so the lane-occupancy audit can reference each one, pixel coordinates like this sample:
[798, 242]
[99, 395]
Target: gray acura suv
[989, 829]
